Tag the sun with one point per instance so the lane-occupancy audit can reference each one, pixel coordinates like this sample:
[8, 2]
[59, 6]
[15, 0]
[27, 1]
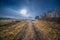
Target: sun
[23, 11]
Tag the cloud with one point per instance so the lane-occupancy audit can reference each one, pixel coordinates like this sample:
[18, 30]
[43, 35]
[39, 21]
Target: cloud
[8, 12]
[35, 7]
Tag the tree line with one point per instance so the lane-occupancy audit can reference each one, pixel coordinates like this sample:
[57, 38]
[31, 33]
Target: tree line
[51, 15]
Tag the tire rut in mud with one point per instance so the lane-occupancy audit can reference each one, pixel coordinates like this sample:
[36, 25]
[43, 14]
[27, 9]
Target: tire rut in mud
[37, 33]
[22, 33]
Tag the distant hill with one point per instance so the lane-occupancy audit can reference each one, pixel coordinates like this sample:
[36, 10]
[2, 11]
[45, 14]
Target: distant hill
[2, 18]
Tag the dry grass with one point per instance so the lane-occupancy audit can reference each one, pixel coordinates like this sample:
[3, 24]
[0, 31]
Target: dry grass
[10, 33]
[50, 30]
[2, 22]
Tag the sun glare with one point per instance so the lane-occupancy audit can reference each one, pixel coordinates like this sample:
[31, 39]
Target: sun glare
[23, 11]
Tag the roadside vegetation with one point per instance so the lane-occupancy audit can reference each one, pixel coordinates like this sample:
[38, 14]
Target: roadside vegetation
[50, 30]
[9, 29]
[49, 24]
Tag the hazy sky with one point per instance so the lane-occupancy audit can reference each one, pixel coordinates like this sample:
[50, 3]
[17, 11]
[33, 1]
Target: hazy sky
[11, 8]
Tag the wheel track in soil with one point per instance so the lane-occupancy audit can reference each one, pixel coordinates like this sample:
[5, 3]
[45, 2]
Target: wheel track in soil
[22, 33]
[37, 33]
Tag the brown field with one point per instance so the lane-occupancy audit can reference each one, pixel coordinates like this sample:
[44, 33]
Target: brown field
[50, 30]
[31, 30]
[9, 32]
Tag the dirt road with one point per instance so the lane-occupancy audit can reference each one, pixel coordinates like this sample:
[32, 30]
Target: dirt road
[29, 32]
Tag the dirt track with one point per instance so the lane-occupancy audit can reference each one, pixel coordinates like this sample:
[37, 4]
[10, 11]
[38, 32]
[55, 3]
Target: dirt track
[29, 32]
